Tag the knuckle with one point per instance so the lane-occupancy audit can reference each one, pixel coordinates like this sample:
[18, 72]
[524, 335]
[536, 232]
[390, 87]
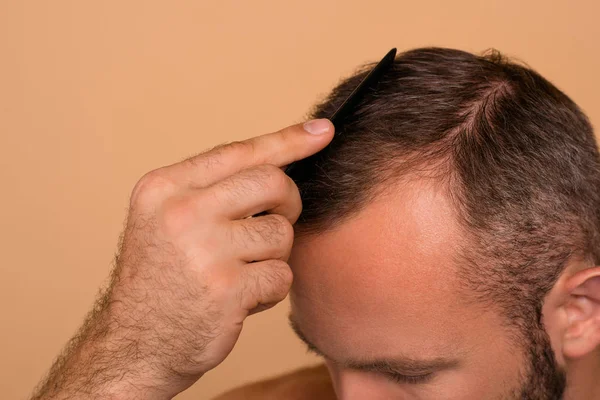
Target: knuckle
[278, 230]
[255, 233]
[272, 176]
[284, 272]
[265, 180]
[177, 214]
[151, 187]
[286, 229]
[271, 282]
[280, 277]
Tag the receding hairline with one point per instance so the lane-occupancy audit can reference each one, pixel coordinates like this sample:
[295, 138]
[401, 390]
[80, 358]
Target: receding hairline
[388, 176]
[521, 163]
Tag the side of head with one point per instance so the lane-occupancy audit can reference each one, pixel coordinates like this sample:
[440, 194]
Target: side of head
[450, 234]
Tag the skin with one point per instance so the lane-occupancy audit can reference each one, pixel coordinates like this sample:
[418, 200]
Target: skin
[304, 384]
[192, 266]
[377, 296]
[389, 295]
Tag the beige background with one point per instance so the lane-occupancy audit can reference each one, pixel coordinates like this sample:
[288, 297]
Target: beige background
[95, 93]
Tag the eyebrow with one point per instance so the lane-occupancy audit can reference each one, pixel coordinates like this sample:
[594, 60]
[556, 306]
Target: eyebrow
[404, 366]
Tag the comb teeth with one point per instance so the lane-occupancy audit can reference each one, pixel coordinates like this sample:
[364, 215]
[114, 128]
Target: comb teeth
[367, 83]
[344, 109]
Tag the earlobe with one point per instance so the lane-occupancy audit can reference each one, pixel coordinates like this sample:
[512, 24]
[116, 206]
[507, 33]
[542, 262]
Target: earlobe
[582, 333]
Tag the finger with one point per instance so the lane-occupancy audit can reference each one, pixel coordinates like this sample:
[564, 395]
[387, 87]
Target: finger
[254, 190]
[262, 238]
[264, 283]
[279, 148]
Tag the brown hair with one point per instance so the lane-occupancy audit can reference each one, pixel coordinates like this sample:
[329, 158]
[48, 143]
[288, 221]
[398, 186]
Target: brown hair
[518, 156]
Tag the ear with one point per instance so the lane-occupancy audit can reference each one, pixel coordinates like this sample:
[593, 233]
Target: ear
[581, 335]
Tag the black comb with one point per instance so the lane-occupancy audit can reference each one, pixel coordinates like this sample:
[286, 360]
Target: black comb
[369, 82]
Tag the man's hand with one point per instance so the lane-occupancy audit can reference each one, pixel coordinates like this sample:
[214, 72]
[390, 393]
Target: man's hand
[191, 268]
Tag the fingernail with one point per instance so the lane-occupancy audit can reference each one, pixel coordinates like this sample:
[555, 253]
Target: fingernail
[317, 126]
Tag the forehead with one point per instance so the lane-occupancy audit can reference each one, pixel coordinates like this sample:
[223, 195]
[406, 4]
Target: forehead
[386, 275]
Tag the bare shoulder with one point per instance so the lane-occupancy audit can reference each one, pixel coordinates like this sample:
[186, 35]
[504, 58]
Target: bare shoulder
[304, 384]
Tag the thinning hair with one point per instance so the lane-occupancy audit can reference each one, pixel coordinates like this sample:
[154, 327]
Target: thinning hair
[517, 156]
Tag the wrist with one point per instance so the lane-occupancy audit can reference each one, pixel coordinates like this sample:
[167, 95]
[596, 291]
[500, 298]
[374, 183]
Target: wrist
[101, 363]
[116, 370]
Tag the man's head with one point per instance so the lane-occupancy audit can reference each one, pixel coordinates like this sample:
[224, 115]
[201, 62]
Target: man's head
[450, 235]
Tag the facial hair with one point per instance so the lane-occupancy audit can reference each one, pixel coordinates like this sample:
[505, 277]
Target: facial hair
[543, 379]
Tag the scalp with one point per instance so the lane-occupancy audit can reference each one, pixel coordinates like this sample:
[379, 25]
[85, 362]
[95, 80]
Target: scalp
[517, 157]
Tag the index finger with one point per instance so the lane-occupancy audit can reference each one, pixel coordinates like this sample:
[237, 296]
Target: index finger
[278, 148]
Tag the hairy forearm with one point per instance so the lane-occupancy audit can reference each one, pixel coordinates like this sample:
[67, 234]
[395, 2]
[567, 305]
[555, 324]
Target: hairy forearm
[190, 269]
[103, 362]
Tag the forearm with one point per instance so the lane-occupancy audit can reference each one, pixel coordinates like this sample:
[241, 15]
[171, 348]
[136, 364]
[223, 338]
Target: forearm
[100, 362]
[190, 269]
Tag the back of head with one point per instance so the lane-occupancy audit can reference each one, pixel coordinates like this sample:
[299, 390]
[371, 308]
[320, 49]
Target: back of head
[517, 157]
